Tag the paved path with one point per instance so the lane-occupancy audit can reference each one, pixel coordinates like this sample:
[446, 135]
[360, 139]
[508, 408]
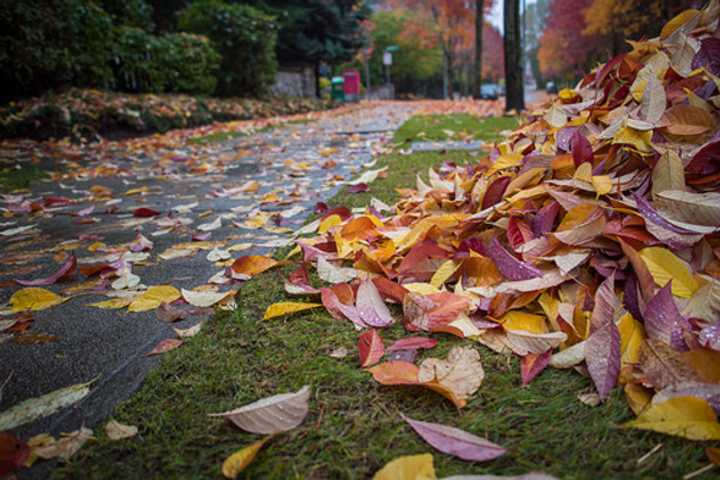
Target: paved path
[160, 173]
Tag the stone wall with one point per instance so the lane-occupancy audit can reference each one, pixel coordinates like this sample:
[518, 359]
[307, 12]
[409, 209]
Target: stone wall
[294, 82]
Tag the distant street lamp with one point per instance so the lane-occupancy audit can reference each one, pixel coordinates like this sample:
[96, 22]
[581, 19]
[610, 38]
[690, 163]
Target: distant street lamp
[388, 60]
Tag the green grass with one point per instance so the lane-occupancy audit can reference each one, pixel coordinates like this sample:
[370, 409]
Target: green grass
[354, 426]
[12, 178]
[461, 126]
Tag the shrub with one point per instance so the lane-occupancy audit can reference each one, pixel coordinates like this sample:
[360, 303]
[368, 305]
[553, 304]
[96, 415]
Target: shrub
[133, 13]
[50, 43]
[143, 62]
[246, 39]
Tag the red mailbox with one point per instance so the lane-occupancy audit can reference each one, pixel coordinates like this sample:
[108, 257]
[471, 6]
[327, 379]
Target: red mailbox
[352, 84]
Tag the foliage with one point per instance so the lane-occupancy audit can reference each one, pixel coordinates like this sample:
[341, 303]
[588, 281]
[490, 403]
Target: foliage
[88, 113]
[313, 31]
[564, 50]
[49, 44]
[244, 36]
[168, 63]
[133, 13]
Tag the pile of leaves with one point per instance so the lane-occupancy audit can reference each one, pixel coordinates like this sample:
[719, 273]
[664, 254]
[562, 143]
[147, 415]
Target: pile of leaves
[588, 240]
[88, 114]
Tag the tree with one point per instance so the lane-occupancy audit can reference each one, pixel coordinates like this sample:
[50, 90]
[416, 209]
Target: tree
[565, 51]
[317, 31]
[616, 20]
[479, 27]
[535, 17]
[514, 88]
[446, 23]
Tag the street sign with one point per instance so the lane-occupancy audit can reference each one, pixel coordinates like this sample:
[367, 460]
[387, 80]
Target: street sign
[387, 58]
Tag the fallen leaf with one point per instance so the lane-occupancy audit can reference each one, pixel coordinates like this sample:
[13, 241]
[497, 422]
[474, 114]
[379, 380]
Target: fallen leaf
[664, 266]
[65, 270]
[410, 467]
[370, 347]
[204, 298]
[117, 431]
[238, 461]
[65, 447]
[287, 308]
[271, 415]
[165, 346]
[153, 297]
[456, 442]
[251, 265]
[40, 407]
[687, 417]
[34, 298]
[460, 375]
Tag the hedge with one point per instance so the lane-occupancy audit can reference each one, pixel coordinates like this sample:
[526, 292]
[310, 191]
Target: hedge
[246, 39]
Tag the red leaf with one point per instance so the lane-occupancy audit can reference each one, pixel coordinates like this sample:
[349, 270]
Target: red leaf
[495, 191]
[510, 267]
[390, 289]
[13, 453]
[581, 148]
[358, 188]
[532, 364]
[144, 212]
[165, 346]
[371, 348]
[412, 343]
[65, 270]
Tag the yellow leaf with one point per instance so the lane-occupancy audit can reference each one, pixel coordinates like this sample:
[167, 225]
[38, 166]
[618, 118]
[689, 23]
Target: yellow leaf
[602, 184]
[583, 172]
[678, 21]
[329, 222]
[567, 94]
[688, 417]
[665, 266]
[516, 320]
[238, 461]
[637, 397]
[638, 139]
[34, 298]
[445, 271]
[286, 308]
[632, 337]
[507, 160]
[421, 288]
[410, 467]
[113, 303]
[153, 297]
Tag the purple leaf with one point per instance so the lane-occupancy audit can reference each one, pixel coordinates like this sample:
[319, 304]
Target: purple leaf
[650, 214]
[456, 442]
[370, 306]
[581, 149]
[663, 320]
[67, 268]
[706, 160]
[338, 309]
[510, 267]
[412, 343]
[358, 188]
[631, 300]
[602, 356]
[606, 303]
[544, 221]
[708, 56]
[532, 364]
[709, 337]
[495, 191]
[563, 138]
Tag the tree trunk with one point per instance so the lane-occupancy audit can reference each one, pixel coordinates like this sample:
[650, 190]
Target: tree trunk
[318, 93]
[514, 89]
[479, 21]
[446, 74]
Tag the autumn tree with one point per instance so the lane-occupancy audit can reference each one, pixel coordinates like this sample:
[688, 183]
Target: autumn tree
[449, 23]
[514, 88]
[616, 20]
[565, 50]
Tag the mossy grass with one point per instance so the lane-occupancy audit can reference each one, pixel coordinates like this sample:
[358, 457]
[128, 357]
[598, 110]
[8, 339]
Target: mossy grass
[13, 178]
[354, 426]
[453, 127]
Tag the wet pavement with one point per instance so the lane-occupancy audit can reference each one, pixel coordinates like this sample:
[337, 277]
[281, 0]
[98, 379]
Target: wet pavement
[259, 187]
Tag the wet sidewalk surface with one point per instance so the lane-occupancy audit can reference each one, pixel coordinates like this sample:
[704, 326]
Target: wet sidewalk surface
[260, 188]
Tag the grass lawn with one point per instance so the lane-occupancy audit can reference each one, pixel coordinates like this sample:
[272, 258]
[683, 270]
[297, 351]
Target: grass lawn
[12, 178]
[454, 127]
[354, 426]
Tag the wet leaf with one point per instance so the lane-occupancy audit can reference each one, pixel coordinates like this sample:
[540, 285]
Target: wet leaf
[34, 408]
[153, 297]
[34, 298]
[687, 417]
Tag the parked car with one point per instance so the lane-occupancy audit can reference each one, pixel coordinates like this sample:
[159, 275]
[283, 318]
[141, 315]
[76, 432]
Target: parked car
[550, 87]
[490, 91]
